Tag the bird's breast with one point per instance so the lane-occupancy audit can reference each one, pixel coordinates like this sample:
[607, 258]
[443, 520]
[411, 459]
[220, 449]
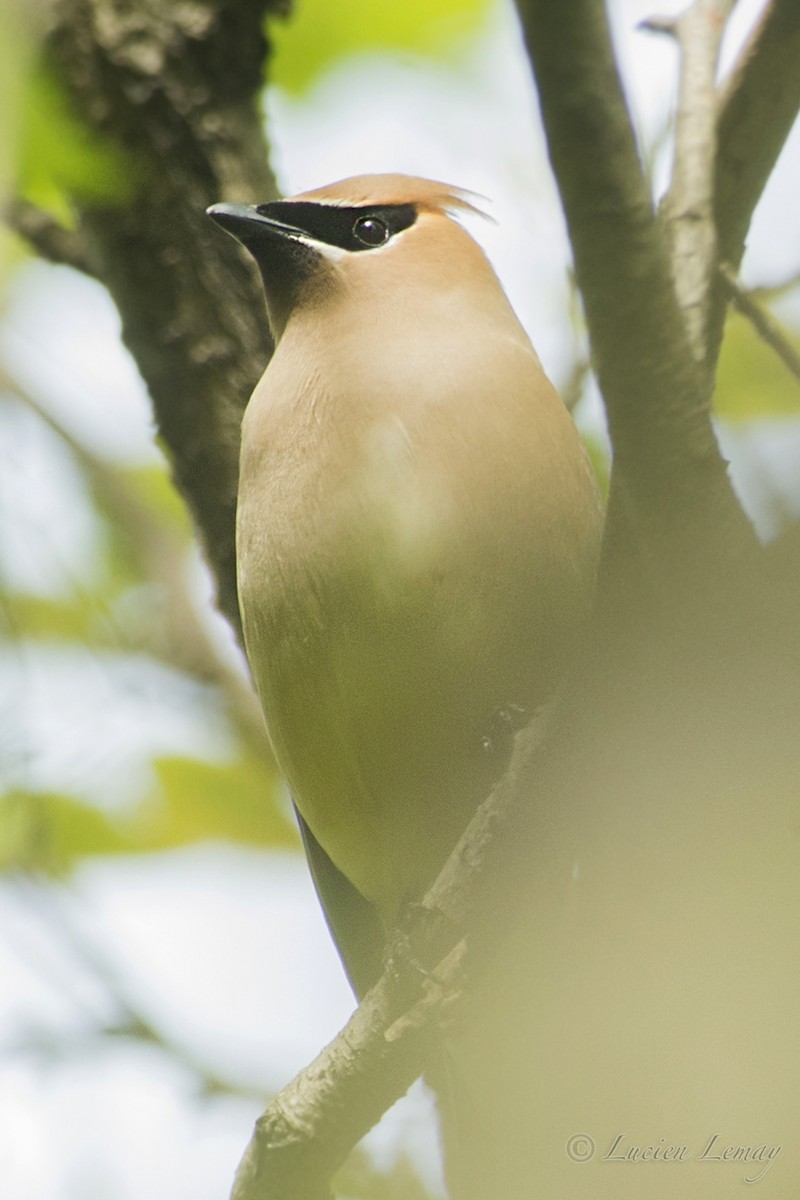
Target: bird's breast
[388, 569]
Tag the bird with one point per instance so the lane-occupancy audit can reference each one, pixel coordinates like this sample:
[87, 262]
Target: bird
[418, 528]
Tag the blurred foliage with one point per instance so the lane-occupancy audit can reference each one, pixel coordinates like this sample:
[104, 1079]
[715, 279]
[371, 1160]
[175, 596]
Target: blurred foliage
[752, 381]
[16, 49]
[601, 463]
[359, 1179]
[139, 598]
[45, 832]
[48, 156]
[319, 34]
[236, 801]
[190, 801]
[60, 158]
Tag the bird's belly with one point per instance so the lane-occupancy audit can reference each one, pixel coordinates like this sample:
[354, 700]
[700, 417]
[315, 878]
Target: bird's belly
[371, 636]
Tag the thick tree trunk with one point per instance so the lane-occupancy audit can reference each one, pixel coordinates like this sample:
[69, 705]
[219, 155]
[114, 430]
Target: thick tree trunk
[178, 88]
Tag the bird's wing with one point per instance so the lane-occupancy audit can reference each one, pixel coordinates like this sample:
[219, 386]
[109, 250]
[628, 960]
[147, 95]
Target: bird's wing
[354, 923]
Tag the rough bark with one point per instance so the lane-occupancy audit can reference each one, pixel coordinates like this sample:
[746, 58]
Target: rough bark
[670, 488]
[178, 87]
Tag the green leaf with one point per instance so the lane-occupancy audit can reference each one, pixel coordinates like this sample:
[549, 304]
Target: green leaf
[59, 157]
[198, 801]
[16, 51]
[599, 458]
[320, 33]
[49, 832]
[69, 618]
[752, 381]
[154, 489]
[145, 520]
[193, 802]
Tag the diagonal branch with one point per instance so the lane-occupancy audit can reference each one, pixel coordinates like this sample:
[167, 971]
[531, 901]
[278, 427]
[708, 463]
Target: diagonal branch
[762, 320]
[396, 1032]
[51, 240]
[309, 1129]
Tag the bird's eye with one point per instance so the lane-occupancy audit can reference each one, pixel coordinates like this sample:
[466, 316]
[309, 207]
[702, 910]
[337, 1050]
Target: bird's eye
[371, 231]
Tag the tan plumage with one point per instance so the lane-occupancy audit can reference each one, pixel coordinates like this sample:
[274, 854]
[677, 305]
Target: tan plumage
[418, 529]
[416, 537]
[427, 195]
[417, 534]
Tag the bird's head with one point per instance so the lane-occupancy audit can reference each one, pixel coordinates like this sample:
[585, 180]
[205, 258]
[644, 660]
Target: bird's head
[368, 236]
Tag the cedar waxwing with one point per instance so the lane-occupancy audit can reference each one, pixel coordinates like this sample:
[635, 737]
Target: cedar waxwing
[417, 525]
[417, 534]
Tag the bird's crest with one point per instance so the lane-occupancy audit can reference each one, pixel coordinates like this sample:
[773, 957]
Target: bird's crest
[427, 195]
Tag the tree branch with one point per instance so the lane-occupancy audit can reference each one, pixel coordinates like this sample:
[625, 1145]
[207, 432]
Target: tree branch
[51, 240]
[177, 86]
[669, 480]
[757, 109]
[393, 1036]
[308, 1131]
[762, 321]
[688, 206]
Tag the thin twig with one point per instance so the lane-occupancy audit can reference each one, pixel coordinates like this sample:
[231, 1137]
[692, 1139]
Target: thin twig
[688, 207]
[666, 25]
[764, 323]
[50, 239]
[775, 290]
